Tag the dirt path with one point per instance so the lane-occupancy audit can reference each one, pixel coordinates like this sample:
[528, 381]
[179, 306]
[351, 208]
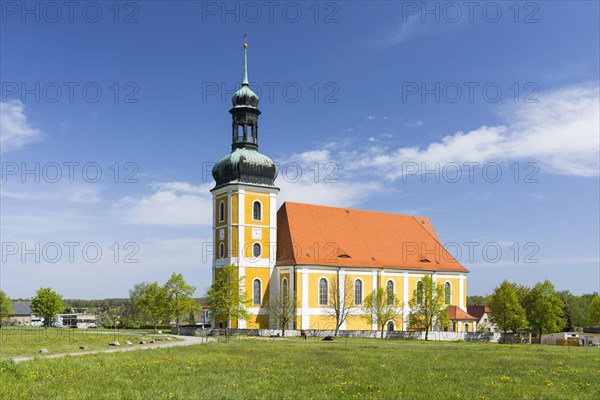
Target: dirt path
[184, 341]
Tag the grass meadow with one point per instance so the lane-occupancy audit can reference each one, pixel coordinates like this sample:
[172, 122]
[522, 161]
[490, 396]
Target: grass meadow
[288, 368]
[23, 341]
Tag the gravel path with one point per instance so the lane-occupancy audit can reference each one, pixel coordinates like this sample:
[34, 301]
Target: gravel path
[184, 341]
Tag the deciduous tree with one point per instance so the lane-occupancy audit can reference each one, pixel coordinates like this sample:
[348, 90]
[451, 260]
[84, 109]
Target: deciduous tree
[179, 298]
[594, 312]
[506, 310]
[427, 306]
[544, 310]
[5, 307]
[380, 307]
[132, 311]
[153, 303]
[47, 304]
[282, 309]
[341, 300]
[226, 297]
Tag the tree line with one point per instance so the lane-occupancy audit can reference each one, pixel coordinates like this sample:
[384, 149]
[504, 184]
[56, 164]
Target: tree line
[148, 304]
[540, 309]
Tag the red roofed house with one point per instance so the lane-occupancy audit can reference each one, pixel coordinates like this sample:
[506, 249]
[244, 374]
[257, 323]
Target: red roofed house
[482, 313]
[301, 249]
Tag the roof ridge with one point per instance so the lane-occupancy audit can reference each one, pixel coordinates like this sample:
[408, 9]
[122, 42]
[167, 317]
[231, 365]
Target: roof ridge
[352, 209]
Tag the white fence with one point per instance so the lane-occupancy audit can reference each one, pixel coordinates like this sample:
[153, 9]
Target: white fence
[436, 335]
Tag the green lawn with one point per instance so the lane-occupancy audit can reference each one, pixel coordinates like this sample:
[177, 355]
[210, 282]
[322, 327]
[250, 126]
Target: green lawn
[16, 342]
[294, 369]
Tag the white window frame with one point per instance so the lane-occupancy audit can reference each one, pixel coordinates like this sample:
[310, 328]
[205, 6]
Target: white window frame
[285, 287]
[362, 292]
[221, 211]
[261, 210]
[450, 299]
[221, 250]
[387, 324]
[254, 302]
[259, 246]
[422, 292]
[326, 303]
[387, 293]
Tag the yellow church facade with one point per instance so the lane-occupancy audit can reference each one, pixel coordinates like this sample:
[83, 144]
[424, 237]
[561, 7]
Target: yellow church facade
[302, 250]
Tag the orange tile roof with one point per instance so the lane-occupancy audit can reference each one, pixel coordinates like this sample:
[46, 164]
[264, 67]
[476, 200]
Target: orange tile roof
[455, 313]
[342, 237]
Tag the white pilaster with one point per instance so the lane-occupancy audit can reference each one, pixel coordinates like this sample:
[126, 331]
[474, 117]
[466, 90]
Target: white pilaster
[461, 292]
[375, 285]
[273, 273]
[405, 294]
[241, 223]
[342, 291]
[304, 311]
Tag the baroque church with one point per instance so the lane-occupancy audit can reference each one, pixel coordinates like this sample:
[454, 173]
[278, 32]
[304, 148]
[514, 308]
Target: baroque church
[302, 249]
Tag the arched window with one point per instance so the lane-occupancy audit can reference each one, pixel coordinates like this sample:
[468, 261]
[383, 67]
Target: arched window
[447, 293]
[358, 292]
[221, 250]
[285, 291]
[466, 327]
[390, 292]
[390, 326]
[420, 292]
[256, 250]
[256, 292]
[221, 211]
[323, 292]
[257, 211]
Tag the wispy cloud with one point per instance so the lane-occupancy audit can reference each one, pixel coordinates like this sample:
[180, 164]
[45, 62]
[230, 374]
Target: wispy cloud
[171, 204]
[15, 130]
[560, 133]
[414, 123]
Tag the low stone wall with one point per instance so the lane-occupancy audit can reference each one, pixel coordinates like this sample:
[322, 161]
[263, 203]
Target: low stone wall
[438, 336]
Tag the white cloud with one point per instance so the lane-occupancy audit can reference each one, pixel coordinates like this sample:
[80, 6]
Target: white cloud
[414, 123]
[183, 187]
[172, 204]
[15, 130]
[336, 194]
[59, 192]
[560, 133]
[315, 177]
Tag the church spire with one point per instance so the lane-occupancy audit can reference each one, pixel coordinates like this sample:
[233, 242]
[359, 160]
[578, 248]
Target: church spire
[245, 79]
[245, 112]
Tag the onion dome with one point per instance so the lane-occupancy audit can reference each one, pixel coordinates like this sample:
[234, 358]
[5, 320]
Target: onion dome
[245, 166]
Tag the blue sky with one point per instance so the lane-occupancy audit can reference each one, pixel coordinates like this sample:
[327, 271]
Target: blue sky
[370, 94]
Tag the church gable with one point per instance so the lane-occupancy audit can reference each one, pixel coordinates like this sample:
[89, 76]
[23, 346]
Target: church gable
[331, 236]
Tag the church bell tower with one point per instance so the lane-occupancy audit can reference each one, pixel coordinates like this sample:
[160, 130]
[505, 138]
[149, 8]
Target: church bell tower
[245, 209]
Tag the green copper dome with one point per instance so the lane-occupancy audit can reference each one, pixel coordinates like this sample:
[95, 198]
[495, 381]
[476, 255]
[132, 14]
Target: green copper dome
[245, 97]
[246, 166]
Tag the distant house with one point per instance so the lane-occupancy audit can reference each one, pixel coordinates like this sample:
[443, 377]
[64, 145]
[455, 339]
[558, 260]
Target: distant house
[482, 313]
[461, 321]
[79, 320]
[571, 339]
[22, 315]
